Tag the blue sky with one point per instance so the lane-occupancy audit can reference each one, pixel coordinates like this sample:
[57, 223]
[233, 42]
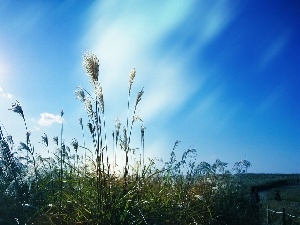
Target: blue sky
[220, 76]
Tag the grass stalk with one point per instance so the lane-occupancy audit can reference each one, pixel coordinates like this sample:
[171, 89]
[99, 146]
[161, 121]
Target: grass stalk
[62, 152]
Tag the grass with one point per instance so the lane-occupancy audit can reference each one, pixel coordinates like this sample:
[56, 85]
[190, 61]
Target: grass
[66, 187]
[290, 201]
[288, 186]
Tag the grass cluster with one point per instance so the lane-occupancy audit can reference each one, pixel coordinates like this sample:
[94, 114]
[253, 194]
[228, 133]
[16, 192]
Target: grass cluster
[74, 184]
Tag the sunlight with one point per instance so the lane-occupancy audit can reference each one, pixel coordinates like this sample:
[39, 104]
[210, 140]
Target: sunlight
[3, 69]
[4, 73]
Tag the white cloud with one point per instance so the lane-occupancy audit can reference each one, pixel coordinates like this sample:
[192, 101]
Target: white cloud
[8, 95]
[36, 128]
[46, 119]
[4, 94]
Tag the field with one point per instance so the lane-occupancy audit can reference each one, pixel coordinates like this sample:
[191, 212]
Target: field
[288, 187]
[66, 187]
[290, 201]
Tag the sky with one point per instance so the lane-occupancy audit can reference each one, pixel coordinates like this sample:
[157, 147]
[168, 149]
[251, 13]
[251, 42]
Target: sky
[221, 77]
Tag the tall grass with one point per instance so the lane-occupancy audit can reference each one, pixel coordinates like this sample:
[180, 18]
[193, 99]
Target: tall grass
[82, 185]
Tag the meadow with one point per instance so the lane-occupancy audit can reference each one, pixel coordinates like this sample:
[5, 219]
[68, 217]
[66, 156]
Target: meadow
[71, 187]
[269, 187]
[289, 201]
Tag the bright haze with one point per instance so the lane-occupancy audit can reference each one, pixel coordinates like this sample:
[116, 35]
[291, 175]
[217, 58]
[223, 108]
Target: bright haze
[220, 76]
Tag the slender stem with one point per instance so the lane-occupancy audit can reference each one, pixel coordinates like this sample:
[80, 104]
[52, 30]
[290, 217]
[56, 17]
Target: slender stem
[61, 162]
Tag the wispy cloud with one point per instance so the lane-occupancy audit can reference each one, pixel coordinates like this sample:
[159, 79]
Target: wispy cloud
[4, 94]
[4, 68]
[211, 21]
[126, 35]
[46, 119]
[127, 39]
[271, 100]
[274, 49]
[27, 20]
[131, 37]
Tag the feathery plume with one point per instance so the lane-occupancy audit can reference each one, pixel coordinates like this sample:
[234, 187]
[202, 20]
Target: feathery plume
[88, 107]
[75, 144]
[45, 139]
[117, 128]
[139, 96]
[9, 139]
[99, 94]
[28, 133]
[17, 108]
[55, 139]
[79, 94]
[91, 64]
[131, 78]
[91, 127]
[23, 146]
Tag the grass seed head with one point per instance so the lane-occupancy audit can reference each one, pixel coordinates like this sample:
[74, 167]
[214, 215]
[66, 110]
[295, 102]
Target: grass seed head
[91, 127]
[88, 107]
[79, 94]
[17, 108]
[131, 78]
[99, 94]
[117, 123]
[28, 133]
[45, 139]
[75, 144]
[91, 64]
[143, 128]
[139, 96]
[55, 139]
[9, 139]
[143, 131]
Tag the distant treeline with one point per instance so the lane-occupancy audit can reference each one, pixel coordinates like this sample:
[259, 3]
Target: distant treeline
[263, 182]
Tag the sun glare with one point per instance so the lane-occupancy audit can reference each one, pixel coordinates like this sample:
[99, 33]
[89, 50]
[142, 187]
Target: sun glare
[3, 70]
